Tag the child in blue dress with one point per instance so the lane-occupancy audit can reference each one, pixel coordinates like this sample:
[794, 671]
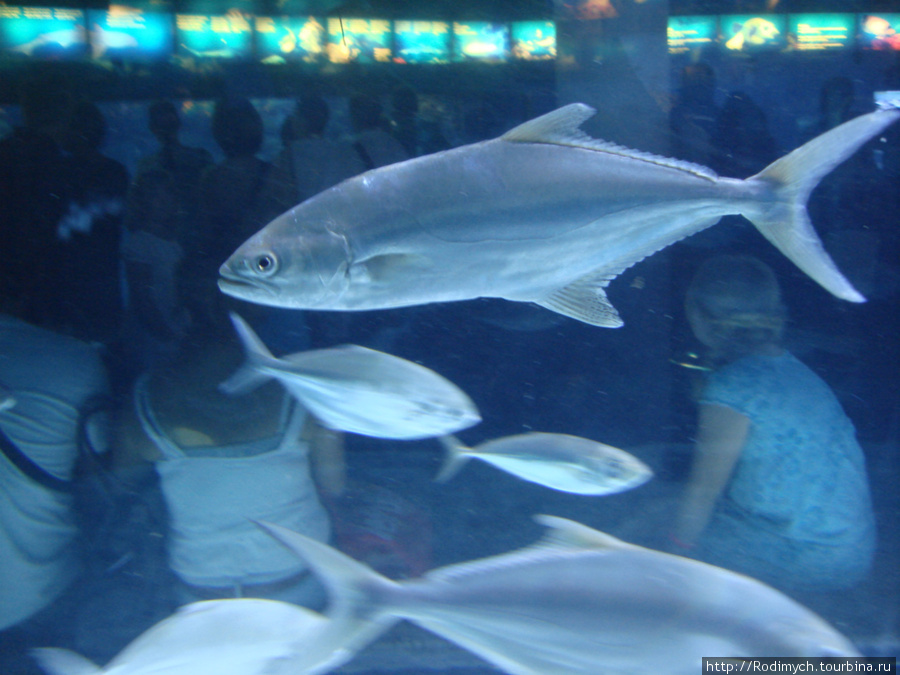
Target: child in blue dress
[778, 488]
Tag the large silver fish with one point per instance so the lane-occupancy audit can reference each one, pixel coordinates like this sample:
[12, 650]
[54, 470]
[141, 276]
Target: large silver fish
[544, 214]
[558, 461]
[359, 390]
[579, 602]
[243, 636]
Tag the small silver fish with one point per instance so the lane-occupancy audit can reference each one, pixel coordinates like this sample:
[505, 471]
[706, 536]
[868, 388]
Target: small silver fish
[579, 602]
[359, 390]
[542, 214]
[558, 461]
[243, 636]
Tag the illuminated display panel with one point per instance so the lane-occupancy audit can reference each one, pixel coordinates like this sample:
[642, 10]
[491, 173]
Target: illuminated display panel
[42, 33]
[586, 10]
[480, 41]
[359, 40]
[128, 33]
[749, 32]
[217, 36]
[421, 42]
[820, 32]
[217, 7]
[534, 40]
[284, 38]
[879, 31]
[686, 33]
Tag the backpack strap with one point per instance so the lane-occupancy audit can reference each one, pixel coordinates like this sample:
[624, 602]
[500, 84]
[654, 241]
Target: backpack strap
[29, 468]
[32, 470]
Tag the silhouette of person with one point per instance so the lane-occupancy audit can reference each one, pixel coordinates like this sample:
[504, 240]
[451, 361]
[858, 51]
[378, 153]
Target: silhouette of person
[374, 145]
[160, 230]
[185, 164]
[310, 162]
[693, 117]
[742, 143]
[778, 490]
[156, 317]
[92, 228]
[60, 201]
[34, 186]
[230, 194]
[417, 134]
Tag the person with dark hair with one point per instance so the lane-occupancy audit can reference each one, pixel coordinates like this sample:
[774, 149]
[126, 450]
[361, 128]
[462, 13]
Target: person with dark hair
[229, 198]
[92, 228]
[34, 186]
[742, 143]
[60, 205]
[185, 164]
[418, 134]
[404, 118]
[693, 117]
[156, 316]
[375, 146]
[778, 490]
[310, 163]
[160, 230]
[311, 117]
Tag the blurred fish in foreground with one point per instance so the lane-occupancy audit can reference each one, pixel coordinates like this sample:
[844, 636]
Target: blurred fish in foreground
[542, 214]
[244, 636]
[578, 601]
[558, 461]
[358, 390]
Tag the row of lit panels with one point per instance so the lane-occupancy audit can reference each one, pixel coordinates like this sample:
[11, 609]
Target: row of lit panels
[806, 32]
[54, 33]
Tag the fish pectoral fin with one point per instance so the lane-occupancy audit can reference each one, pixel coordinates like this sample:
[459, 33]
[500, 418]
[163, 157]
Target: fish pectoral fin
[585, 300]
[389, 266]
[565, 533]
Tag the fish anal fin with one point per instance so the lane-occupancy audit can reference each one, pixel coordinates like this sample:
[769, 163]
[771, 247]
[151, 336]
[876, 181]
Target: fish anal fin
[584, 300]
[566, 533]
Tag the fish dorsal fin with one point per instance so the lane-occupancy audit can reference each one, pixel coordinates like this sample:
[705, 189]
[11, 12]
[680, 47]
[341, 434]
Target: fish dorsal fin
[560, 127]
[585, 300]
[568, 534]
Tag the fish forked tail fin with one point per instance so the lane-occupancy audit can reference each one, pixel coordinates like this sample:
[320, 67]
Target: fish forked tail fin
[247, 377]
[56, 661]
[356, 616]
[454, 459]
[786, 223]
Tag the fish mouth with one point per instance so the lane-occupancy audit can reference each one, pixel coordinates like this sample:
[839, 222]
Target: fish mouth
[234, 284]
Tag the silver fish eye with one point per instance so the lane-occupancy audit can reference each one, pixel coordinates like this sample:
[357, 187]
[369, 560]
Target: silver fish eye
[265, 264]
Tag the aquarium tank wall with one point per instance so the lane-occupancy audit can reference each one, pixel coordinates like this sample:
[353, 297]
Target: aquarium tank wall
[510, 336]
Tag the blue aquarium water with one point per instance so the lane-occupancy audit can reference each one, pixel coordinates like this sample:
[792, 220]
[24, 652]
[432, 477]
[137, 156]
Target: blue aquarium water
[683, 352]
